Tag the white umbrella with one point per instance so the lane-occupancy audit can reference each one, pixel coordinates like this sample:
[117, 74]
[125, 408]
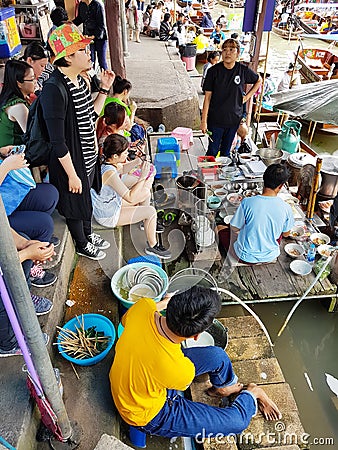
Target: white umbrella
[316, 102]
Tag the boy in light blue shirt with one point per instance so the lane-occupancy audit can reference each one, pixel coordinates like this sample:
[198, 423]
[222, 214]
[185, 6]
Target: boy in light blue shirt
[260, 221]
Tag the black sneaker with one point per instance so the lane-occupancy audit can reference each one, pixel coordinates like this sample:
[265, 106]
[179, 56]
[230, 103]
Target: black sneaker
[55, 241]
[244, 148]
[16, 351]
[91, 251]
[42, 305]
[159, 228]
[98, 241]
[158, 250]
[41, 278]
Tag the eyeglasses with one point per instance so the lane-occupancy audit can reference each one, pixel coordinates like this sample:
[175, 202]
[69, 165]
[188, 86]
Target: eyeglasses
[30, 81]
[86, 49]
[231, 49]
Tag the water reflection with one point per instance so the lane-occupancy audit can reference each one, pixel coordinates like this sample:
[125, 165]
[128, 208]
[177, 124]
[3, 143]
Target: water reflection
[308, 345]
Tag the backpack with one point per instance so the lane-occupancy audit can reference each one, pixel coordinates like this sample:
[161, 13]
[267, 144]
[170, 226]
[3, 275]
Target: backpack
[36, 137]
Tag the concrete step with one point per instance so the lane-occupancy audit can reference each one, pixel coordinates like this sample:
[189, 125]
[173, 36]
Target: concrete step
[19, 423]
[111, 443]
[254, 361]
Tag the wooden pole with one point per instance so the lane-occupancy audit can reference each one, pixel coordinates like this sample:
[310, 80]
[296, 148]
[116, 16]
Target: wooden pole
[261, 8]
[113, 17]
[294, 66]
[260, 97]
[21, 299]
[314, 188]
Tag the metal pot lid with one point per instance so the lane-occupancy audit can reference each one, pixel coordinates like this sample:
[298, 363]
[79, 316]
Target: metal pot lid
[330, 165]
[300, 159]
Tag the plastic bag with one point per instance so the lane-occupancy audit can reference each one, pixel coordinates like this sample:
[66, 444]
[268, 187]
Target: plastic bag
[317, 267]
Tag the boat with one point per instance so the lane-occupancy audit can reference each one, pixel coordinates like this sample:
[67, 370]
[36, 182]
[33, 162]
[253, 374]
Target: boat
[309, 16]
[232, 4]
[287, 31]
[317, 64]
[197, 5]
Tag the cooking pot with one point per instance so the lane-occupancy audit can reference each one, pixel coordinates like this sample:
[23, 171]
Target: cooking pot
[189, 188]
[329, 171]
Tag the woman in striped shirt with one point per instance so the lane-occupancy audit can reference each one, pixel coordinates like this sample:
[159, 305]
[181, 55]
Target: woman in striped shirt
[70, 116]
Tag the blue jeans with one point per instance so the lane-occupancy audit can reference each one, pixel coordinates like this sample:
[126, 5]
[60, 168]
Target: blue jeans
[221, 140]
[33, 216]
[182, 417]
[99, 46]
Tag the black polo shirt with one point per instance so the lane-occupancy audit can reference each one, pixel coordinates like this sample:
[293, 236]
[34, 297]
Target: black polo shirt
[227, 87]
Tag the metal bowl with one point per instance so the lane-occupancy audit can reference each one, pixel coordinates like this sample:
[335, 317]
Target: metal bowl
[270, 155]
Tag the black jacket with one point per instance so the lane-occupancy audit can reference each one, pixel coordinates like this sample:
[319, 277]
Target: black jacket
[92, 17]
[60, 117]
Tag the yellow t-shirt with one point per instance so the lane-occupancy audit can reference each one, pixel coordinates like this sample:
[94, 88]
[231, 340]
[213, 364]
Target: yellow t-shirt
[201, 42]
[145, 365]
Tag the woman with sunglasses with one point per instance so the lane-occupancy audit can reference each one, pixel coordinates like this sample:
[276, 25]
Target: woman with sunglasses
[18, 87]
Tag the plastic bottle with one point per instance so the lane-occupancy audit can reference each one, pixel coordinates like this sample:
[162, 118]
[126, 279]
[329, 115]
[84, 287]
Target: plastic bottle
[311, 254]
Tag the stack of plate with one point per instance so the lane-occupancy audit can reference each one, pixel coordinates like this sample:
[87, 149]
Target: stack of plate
[144, 276]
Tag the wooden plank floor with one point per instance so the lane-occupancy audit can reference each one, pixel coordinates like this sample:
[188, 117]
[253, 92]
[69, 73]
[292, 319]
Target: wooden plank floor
[254, 361]
[260, 283]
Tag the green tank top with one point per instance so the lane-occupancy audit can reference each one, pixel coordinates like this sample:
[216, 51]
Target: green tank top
[116, 100]
[10, 132]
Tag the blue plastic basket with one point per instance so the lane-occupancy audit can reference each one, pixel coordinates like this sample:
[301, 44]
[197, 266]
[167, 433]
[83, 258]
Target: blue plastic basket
[90, 320]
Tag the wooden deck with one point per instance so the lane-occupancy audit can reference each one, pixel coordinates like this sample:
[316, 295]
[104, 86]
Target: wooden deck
[253, 284]
[254, 361]
[272, 282]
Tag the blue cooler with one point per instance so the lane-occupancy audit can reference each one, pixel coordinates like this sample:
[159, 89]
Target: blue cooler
[10, 43]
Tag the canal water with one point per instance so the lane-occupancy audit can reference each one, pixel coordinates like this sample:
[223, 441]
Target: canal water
[307, 350]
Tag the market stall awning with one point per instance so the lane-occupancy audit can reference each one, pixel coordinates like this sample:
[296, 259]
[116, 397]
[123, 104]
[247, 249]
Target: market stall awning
[313, 101]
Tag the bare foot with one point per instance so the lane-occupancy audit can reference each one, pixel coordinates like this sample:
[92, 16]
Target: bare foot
[266, 406]
[224, 392]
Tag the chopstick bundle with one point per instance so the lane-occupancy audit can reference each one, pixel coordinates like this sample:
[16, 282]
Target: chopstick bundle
[84, 343]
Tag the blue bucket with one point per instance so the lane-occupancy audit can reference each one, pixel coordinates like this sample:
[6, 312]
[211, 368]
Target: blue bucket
[89, 320]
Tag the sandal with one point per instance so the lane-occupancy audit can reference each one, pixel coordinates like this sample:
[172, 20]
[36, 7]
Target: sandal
[161, 198]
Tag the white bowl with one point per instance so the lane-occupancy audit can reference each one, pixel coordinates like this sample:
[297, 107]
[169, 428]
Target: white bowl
[224, 160]
[324, 250]
[245, 157]
[300, 267]
[294, 250]
[227, 219]
[234, 199]
[221, 193]
[319, 238]
[296, 232]
[140, 291]
[204, 340]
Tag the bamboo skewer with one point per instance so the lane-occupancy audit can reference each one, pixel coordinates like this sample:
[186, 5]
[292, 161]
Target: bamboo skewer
[78, 344]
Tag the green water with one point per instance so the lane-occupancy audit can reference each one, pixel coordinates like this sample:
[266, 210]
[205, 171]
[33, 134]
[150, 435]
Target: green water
[309, 343]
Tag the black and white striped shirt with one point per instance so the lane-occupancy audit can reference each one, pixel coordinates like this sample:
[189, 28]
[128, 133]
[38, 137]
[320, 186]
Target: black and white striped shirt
[86, 117]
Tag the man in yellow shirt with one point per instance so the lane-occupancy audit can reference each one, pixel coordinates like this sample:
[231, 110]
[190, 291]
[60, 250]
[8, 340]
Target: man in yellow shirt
[150, 367]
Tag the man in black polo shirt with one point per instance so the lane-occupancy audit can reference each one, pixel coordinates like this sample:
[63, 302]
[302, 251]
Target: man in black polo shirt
[223, 102]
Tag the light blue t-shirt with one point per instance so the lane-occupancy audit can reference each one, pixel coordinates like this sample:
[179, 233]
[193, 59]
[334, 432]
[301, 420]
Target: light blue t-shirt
[261, 221]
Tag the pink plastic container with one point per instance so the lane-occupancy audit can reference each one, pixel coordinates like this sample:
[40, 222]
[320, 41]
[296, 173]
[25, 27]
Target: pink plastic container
[190, 62]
